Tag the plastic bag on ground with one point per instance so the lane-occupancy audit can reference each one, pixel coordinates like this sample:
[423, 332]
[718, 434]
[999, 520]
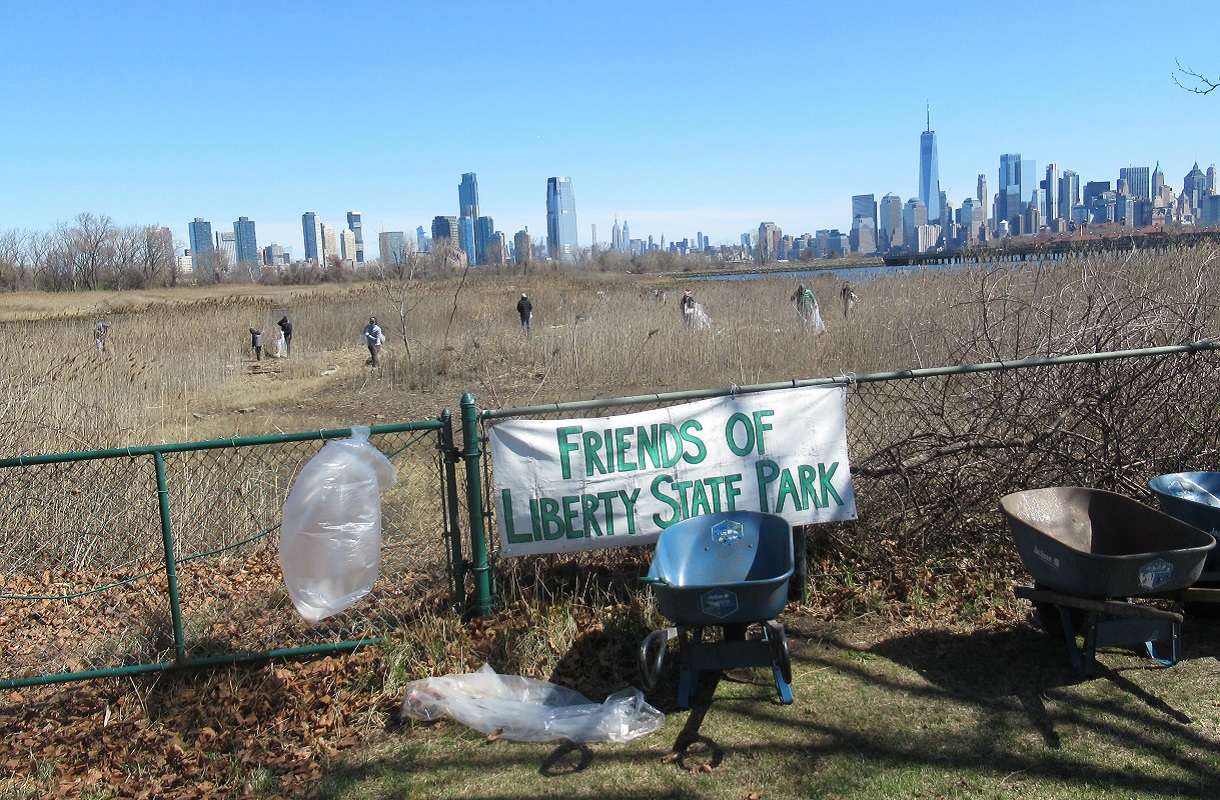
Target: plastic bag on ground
[330, 534]
[528, 710]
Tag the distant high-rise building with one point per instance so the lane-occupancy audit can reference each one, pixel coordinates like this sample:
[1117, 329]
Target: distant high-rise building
[484, 231]
[330, 243]
[226, 242]
[1016, 189]
[1069, 193]
[247, 242]
[274, 256]
[1051, 187]
[423, 241]
[202, 246]
[863, 236]
[769, 235]
[864, 205]
[1094, 190]
[468, 196]
[929, 172]
[616, 237]
[354, 225]
[1194, 186]
[312, 230]
[468, 212]
[1211, 180]
[347, 245]
[914, 217]
[1158, 181]
[561, 238]
[626, 237]
[890, 225]
[980, 194]
[1137, 181]
[444, 229]
[392, 247]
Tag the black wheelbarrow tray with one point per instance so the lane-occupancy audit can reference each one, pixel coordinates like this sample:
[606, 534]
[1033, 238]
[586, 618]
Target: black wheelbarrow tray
[728, 569]
[1090, 551]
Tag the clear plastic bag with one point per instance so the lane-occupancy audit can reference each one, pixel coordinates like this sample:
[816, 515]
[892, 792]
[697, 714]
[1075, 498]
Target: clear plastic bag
[330, 534]
[528, 710]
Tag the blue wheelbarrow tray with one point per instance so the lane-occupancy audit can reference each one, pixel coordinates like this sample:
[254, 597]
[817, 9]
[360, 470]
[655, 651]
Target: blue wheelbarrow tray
[722, 569]
[1194, 498]
[1097, 544]
[729, 569]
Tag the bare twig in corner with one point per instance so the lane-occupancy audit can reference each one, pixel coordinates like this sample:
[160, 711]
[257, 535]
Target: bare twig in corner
[1205, 85]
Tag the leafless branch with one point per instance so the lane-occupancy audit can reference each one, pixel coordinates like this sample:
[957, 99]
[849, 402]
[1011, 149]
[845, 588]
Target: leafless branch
[1202, 85]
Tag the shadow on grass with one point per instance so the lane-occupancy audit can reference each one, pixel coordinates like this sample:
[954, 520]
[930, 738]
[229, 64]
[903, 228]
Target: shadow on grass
[1000, 707]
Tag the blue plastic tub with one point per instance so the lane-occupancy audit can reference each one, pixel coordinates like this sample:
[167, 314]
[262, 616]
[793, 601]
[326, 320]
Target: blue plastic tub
[1194, 498]
[721, 569]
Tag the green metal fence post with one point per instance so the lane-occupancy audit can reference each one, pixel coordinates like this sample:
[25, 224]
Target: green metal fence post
[454, 533]
[171, 563]
[474, 504]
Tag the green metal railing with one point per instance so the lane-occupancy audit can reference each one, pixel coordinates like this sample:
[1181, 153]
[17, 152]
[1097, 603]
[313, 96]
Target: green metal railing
[100, 579]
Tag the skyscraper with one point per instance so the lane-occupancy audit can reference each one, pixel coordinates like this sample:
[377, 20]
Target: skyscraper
[330, 243]
[929, 173]
[468, 212]
[983, 197]
[616, 237]
[347, 245]
[484, 232]
[354, 225]
[312, 230]
[1194, 185]
[392, 247]
[864, 224]
[444, 228]
[1016, 189]
[1158, 181]
[1051, 187]
[226, 242]
[247, 243]
[561, 219]
[422, 240]
[202, 248]
[890, 239]
[914, 217]
[1069, 193]
[1137, 181]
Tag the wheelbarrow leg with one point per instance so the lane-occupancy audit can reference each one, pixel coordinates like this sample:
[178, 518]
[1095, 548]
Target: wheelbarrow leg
[781, 661]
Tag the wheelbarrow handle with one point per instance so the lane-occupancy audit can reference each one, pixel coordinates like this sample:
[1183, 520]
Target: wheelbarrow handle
[650, 579]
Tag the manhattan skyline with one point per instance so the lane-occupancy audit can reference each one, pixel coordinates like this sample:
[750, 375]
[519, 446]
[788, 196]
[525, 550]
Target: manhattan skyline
[679, 118]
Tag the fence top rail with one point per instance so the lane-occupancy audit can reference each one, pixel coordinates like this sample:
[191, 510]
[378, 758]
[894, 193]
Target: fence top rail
[216, 444]
[906, 374]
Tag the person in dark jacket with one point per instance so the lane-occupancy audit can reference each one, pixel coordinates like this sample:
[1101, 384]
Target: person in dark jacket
[525, 309]
[286, 327]
[256, 343]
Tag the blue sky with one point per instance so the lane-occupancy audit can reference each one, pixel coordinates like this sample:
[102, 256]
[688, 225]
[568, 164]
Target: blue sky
[675, 116]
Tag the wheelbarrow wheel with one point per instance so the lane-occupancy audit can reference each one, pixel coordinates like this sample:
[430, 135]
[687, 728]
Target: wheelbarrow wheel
[652, 657]
[777, 638]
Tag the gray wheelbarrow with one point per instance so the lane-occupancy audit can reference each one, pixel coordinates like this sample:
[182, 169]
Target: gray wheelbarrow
[1091, 553]
[727, 570]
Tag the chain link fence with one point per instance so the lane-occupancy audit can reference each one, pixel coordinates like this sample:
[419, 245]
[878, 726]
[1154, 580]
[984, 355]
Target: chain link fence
[140, 560]
[933, 450]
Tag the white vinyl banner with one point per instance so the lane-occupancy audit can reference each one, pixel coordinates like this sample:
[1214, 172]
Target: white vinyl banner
[582, 484]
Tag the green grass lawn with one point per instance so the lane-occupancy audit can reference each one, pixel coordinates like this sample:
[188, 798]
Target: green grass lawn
[995, 712]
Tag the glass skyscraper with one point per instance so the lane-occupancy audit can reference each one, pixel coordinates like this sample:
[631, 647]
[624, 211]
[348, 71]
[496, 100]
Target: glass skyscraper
[312, 230]
[929, 173]
[202, 247]
[246, 244]
[354, 225]
[474, 246]
[561, 220]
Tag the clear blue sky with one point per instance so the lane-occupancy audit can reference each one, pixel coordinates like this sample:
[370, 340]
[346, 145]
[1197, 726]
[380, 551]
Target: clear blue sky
[676, 116]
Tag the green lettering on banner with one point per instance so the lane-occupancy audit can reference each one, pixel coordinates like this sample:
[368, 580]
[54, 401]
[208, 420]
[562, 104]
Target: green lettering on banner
[730, 435]
[622, 444]
[566, 447]
[535, 522]
[657, 519]
[571, 511]
[671, 445]
[787, 490]
[608, 499]
[700, 449]
[648, 446]
[809, 492]
[759, 427]
[548, 515]
[592, 442]
[824, 476]
[509, 530]
[629, 504]
[766, 471]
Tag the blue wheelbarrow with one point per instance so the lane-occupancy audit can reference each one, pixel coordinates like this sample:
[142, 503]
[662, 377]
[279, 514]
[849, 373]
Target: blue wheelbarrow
[728, 570]
[1093, 554]
[1194, 498]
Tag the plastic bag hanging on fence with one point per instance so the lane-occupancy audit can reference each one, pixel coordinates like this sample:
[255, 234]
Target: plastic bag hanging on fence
[330, 534]
[524, 709]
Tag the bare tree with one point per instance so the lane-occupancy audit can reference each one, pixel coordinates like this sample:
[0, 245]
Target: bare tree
[1194, 82]
[90, 249]
[398, 281]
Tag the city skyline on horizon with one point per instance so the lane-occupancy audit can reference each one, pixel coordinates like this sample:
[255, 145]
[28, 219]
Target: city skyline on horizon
[661, 123]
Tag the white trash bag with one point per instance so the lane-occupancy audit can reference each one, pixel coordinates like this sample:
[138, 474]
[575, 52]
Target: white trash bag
[524, 709]
[330, 534]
